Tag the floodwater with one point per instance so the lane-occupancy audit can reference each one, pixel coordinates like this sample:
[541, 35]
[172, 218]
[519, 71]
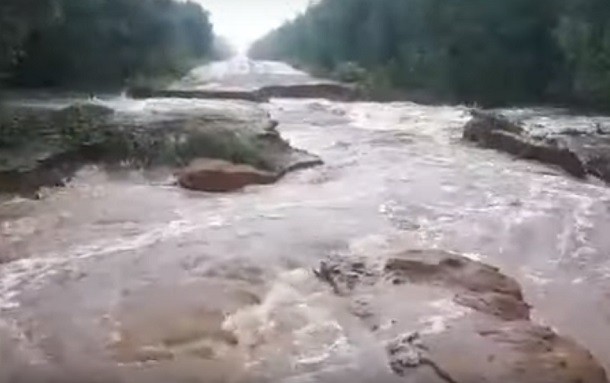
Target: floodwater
[125, 276]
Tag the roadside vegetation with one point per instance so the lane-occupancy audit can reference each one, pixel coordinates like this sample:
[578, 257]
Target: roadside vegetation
[96, 44]
[497, 52]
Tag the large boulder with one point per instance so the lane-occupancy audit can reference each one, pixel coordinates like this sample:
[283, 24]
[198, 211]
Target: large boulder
[222, 176]
[42, 146]
[454, 320]
[580, 153]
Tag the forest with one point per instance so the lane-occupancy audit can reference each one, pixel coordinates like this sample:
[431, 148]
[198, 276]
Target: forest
[478, 51]
[100, 43]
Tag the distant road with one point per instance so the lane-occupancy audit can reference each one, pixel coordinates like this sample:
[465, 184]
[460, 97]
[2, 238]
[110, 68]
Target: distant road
[243, 73]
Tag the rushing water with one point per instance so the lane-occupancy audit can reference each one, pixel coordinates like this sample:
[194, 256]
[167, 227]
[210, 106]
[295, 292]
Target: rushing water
[112, 261]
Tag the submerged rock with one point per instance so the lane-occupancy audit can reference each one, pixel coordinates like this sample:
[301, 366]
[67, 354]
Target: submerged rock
[580, 153]
[42, 147]
[456, 320]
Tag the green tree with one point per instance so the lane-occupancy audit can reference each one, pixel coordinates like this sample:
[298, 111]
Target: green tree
[583, 33]
[491, 52]
[102, 43]
[18, 18]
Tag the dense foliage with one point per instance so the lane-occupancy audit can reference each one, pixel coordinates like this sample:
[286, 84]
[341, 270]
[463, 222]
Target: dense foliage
[99, 42]
[584, 35]
[491, 52]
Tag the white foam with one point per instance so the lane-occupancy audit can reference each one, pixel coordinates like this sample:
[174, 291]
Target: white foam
[31, 271]
[294, 324]
[473, 256]
[535, 277]
[404, 116]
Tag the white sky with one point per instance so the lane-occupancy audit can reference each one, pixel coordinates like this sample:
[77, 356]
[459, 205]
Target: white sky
[244, 21]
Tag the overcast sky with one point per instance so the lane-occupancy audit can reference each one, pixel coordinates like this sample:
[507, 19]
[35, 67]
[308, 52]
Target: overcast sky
[243, 21]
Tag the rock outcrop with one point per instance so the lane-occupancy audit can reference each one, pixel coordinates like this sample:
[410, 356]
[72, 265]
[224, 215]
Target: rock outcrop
[43, 147]
[456, 320]
[329, 91]
[581, 154]
[247, 95]
[40, 147]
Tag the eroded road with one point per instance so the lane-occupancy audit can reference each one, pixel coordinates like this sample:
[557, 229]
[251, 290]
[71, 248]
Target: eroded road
[114, 265]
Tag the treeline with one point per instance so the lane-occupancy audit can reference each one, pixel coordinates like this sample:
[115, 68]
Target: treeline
[485, 51]
[99, 43]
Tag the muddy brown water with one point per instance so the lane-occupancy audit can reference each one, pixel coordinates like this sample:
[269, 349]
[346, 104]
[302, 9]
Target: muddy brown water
[108, 268]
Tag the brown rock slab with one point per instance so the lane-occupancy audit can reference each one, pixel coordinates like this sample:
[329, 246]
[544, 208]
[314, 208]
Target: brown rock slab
[447, 318]
[438, 267]
[329, 91]
[506, 307]
[579, 151]
[247, 95]
[326, 90]
[477, 349]
[222, 176]
[496, 132]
